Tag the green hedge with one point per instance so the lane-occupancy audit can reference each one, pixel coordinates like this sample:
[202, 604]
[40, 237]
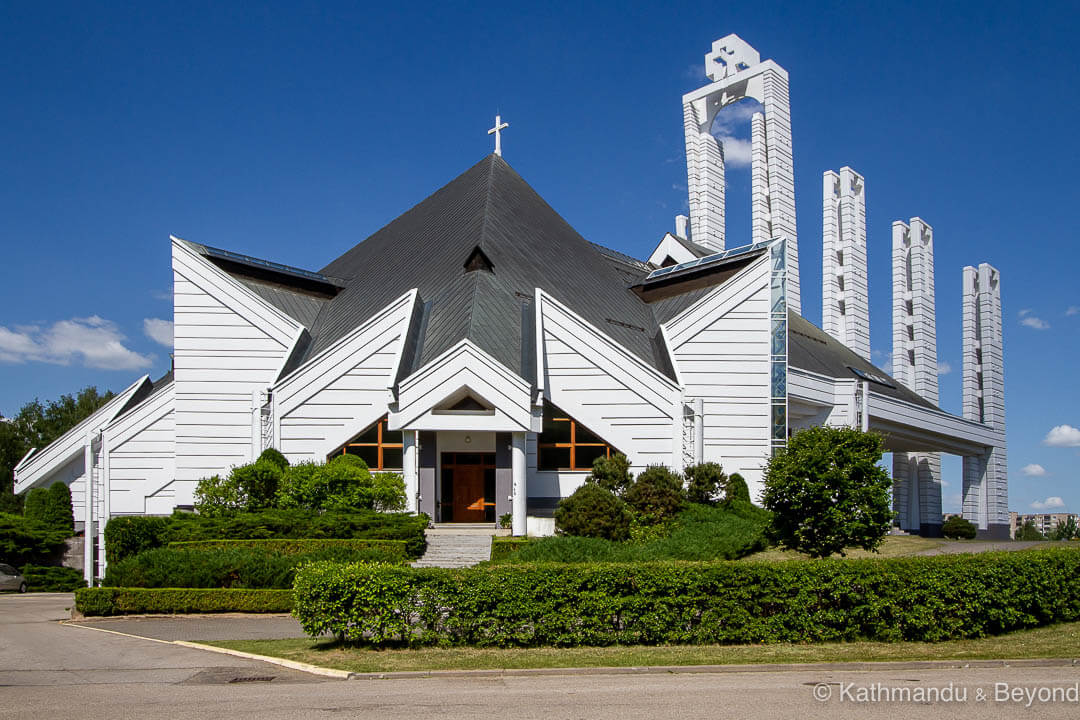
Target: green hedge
[389, 548]
[127, 536]
[912, 599]
[138, 601]
[25, 541]
[41, 578]
[238, 566]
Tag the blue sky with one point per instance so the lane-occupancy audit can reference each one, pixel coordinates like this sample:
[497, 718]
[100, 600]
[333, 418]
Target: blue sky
[293, 132]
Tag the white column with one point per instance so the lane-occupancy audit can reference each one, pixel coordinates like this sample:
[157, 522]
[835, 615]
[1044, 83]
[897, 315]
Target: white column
[409, 469]
[705, 180]
[914, 363]
[845, 308]
[88, 509]
[520, 492]
[760, 216]
[106, 502]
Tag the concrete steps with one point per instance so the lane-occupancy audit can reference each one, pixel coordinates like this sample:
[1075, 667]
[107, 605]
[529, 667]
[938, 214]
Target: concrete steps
[457, 545]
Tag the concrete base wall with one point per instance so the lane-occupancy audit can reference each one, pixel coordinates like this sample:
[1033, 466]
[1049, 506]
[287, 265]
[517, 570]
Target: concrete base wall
[994, 532]
[930, 531]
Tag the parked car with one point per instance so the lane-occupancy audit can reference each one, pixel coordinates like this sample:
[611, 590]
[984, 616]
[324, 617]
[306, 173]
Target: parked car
[10, 579]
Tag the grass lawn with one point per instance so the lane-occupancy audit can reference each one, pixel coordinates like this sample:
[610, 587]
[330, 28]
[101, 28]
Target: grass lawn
[1058, 641]
[891, 546]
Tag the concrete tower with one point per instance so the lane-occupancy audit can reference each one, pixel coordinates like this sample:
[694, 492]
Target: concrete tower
[916, 476]
[986, 487]
[737, 72]
[845, 298]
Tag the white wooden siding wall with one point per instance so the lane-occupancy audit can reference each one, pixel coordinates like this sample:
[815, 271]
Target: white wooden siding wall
[611, 392]
[228, 343]
[344, 390]
[142, 454]
[721, 349]
[71, 474]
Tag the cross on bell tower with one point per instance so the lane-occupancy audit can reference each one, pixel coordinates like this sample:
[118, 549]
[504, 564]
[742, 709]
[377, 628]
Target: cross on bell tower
[497, 132]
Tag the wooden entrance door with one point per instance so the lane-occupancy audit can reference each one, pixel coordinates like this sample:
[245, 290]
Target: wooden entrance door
[468, 487]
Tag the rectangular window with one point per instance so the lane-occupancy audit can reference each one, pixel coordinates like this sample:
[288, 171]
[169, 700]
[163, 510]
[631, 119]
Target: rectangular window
[379, 447]
[565, 444]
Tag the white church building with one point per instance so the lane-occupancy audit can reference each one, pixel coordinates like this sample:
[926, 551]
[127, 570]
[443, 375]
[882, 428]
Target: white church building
[509, 352]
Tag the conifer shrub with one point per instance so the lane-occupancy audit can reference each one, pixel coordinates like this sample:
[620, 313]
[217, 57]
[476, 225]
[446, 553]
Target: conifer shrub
[705, 483]
[593, 512]
[128, 535]
[957, 528]
[735, 491]
[47, 578]
[656, 496]
[611, 473]
[26, 541]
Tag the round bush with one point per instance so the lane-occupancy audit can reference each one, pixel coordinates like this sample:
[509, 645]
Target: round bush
[957, 528]
[704, 483]
[736, 490]
[594, 512]
[611, 473]
[657, 495]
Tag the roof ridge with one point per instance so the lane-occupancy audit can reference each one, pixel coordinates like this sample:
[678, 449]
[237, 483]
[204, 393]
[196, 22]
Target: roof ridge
[487, 201]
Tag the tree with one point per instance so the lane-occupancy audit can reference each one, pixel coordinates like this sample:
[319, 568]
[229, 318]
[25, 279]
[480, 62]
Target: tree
[1028, 531]
[36, 425]
[705, 483]
[736, 492]
[1065, 530]
[958, 528]
[827, 492]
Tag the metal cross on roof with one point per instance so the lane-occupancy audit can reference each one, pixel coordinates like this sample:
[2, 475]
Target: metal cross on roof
[497, 132]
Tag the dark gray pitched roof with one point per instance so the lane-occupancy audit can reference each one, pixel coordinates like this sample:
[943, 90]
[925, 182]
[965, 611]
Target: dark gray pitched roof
[693, 247]
[811, 348]
[300, 306]
[528, 245]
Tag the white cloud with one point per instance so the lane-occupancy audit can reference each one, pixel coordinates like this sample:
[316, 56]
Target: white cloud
[944, 368]
[1049, 503]
[163, 294]
[883, 359]
[1073, 310]
[93, 341]
[1062, 436]
[1028, 319]
[731, 122]
[1034, 470]
[158, 330]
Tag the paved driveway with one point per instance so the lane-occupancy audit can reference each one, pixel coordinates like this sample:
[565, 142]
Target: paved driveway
[49, 670]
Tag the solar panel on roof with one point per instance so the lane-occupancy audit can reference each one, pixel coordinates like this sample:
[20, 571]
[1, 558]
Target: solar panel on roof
[708, 259]
[270, 265]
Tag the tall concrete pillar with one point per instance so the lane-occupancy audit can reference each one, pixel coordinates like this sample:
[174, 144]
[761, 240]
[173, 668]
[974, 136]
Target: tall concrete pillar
[985, 481]
[845, 298]
[410, 470]
[518, 475]
[916, 476]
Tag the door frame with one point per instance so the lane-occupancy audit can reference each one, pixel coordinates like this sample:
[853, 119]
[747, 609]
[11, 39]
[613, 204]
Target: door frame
[451, 460]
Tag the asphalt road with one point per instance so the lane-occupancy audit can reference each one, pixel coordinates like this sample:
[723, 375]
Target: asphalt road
[49, 670]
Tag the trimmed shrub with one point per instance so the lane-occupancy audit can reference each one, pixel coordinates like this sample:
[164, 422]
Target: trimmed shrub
[43, 578]
[958, 528]
[736, 491]
[388, 492]
[903, 599]
[24, 541]
[257, 483]
[218, 495]
[128, 535]
[394, 550]
[34, 506]
[594, 512]
[170, 601]
[274, 455]
[240, 567]
[656, 496]
[504, 547]
[612, 474]
[61, 514]
[705, 483]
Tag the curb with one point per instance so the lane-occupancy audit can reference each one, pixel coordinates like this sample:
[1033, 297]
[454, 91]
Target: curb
[716, 669]
[291, 664]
